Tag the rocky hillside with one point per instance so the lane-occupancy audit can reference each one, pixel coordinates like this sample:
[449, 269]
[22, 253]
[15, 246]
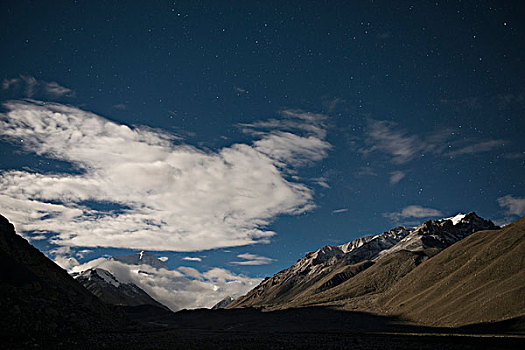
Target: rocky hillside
[479, 279]
[354, 274]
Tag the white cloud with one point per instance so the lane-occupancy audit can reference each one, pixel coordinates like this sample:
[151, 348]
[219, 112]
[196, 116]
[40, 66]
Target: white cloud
[396, 176]
[163, 258]
[253, 259]
[66, 263]
[173, 196]
[413, 211]
[513, 205]
[184, 288]
[190, 258]
[339, 211]
[31, 86]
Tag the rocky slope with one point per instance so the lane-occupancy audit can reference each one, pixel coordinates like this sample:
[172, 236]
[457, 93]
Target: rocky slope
[351, 275]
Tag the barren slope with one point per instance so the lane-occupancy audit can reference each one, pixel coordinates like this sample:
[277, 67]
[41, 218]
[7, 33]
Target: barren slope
[478, 279]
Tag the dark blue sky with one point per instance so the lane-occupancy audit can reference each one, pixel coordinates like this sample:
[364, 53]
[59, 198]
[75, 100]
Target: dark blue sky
[423, 105]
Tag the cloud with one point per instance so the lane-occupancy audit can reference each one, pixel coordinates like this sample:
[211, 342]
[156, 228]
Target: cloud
[292, 120]
[365, 171]
[513, 205]
[400, 147]
[252, 259]
[121, 106]
[396, 176]
[140, 188]
[382, 136]
[31, 86]
[163, 258]
[189, 258]
[339, 211]
[413, 211]
[184, 288]
[479, 147]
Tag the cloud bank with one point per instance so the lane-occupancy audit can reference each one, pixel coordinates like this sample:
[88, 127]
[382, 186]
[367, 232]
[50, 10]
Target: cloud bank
[183, 288]
[159, 193]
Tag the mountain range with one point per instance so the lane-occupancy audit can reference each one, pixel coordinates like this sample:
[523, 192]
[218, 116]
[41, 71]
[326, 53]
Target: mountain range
[391, 272]
[459, 274]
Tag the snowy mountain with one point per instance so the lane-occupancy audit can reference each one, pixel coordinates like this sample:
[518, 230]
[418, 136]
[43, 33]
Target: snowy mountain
[330, 266]
[109, 289]
[223, 303]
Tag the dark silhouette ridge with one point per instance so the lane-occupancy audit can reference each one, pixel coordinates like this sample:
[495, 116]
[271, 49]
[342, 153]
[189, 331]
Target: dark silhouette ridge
[40, 299]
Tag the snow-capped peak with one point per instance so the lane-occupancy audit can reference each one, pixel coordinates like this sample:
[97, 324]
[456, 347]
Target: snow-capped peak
[455, 219]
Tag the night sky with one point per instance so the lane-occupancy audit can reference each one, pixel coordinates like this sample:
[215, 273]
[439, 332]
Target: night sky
[239, 135]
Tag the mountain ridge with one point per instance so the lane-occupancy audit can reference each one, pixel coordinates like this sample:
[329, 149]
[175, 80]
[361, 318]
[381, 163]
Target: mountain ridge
[331, 266]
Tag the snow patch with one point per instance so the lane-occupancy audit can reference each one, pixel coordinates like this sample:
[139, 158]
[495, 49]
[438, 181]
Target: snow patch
[107, 277]
[456, 219]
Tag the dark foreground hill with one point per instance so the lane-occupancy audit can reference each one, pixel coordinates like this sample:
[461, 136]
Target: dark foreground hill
[39, 299]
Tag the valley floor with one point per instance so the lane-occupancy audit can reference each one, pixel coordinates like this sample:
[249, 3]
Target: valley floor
[307, 328]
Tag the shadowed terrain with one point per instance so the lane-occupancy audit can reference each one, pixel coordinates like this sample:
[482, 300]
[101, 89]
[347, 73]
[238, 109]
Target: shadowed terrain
[43, 307]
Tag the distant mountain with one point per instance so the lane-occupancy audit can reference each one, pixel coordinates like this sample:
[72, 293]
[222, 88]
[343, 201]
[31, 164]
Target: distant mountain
[352, 275]
[223, 303]
[110, 290]
[141, 258]
[38, 298]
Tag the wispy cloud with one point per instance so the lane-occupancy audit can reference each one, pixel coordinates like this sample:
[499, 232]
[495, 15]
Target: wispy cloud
[183, 288]
[401, 147]
[252, 259]
[30, 86]
[383, 136]
[478, 147]
[339, 211]
[190, 258]
[513, 205]
[172, 196]
[413, 211]
[396, 176]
